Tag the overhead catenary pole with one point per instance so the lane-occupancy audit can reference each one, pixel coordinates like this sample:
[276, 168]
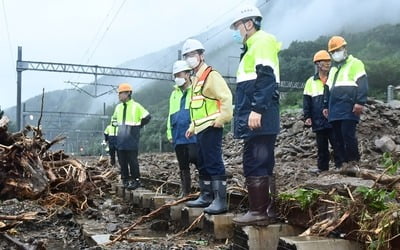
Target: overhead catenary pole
[19, 86]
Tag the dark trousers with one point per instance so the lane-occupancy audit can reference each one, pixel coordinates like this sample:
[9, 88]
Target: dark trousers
[345, 132]
[111, 151]
[258, 155]
[324, 138]
[209, 146]
[129, 164]
[186, 154]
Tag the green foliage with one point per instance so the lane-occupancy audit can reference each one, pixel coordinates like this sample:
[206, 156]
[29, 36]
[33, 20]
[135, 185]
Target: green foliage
[305, 197]
[378, 48]
[291, 101]
[390, 165]
[376, 198]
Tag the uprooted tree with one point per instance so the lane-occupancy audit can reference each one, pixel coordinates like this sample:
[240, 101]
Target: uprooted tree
[28, 170]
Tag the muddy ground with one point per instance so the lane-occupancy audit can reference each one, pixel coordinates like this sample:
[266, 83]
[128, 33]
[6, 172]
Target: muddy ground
[295, 156]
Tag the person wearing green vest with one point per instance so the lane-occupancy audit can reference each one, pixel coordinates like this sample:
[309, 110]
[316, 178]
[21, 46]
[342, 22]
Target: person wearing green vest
[313, 105]
[345, 98]
[110, 137]
[130, 117]
[210, 108]
[178, 122]
[256, 114]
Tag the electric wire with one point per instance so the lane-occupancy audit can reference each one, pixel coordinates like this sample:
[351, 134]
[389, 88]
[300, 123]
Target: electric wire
[8, 32]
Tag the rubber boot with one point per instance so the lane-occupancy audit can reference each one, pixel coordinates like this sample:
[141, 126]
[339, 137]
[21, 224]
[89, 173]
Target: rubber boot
[218, 205]
[206, 195]
[271, 210]
[134, 184]
[125, 183]
[185, 183]
[258, 195]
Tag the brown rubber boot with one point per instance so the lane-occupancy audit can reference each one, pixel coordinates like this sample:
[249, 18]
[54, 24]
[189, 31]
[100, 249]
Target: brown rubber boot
[258, 195]
[271, 210]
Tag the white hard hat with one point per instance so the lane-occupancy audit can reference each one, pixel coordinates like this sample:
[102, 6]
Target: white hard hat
[245, 11]
[191, 45]
[179, 66]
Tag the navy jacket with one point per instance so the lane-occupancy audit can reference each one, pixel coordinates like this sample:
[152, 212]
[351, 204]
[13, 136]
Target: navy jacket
[313, 103]
[262, 96]
[348, 85]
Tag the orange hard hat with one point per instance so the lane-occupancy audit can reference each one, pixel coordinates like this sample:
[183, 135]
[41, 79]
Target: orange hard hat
[124, 87]
[322, 55]
[336, 42]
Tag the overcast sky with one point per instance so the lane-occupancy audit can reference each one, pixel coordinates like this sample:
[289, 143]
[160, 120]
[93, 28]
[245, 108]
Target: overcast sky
[96, 32]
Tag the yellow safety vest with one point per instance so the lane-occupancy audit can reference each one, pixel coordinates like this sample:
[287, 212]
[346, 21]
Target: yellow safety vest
[202, 108]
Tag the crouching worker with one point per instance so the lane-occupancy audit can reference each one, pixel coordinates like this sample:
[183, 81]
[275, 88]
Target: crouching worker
[131, 117]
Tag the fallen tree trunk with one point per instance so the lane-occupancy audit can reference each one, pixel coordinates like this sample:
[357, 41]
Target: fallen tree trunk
[391, 182]
[21, 217]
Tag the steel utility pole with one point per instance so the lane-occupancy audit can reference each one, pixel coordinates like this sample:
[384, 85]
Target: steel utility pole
[19, 84]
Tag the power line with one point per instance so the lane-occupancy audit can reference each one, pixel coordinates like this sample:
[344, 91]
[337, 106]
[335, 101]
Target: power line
[108, 28]
[163, 65]
[8, 32]
[95, 37]
[98, 32]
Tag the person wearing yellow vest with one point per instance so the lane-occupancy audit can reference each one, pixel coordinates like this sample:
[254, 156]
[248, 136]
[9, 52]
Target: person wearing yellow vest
[110, 137]
[345, 98]
[130, 117]
[210, 108]
[178, 122]
[313, 105]
[256, 114]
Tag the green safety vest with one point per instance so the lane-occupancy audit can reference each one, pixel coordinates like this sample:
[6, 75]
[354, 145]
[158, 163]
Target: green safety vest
[314, 87]
[111, 130]
[263, 49]
[175, 105]
[348, 74]
[203, 109]
[133, 115]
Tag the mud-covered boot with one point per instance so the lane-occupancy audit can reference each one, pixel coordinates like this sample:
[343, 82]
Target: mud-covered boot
[206, 194]
[218, 205]
[134, 184]
[271, 210]
[258, 195]
[185, 183]
[125, 183]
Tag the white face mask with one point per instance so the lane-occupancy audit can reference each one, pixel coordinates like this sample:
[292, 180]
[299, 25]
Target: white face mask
[193, 61]
[180, 81]
[338, 56]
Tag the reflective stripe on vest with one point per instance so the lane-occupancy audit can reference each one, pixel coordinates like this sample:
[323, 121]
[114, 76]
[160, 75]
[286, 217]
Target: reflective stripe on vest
[203, 108]
[348, 75]
[111, 130]
[134, 113]
[314, 87]
[263, 49]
